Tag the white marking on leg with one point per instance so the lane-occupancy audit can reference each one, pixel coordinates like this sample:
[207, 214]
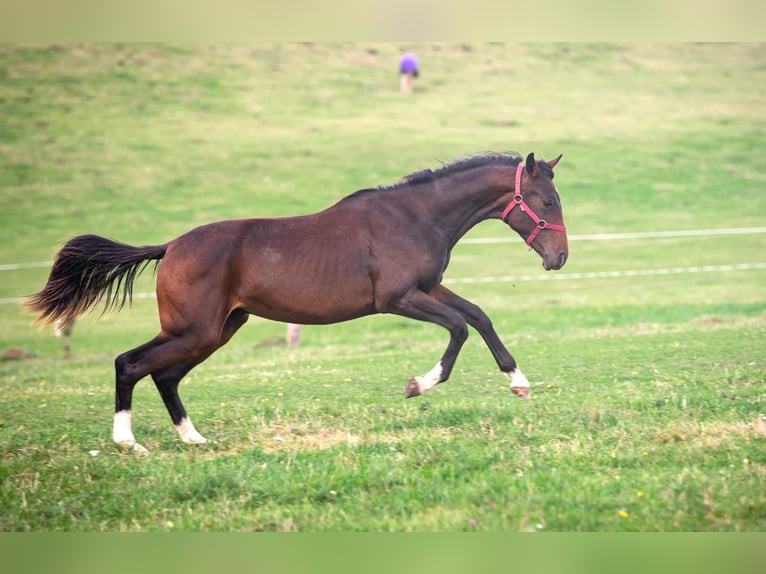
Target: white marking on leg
[122, 432]
[430, 379]
[518, 379]
[188, 433]
[519, 383]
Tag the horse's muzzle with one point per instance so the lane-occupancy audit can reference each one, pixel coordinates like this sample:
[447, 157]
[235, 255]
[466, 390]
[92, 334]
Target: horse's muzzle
[555, 262]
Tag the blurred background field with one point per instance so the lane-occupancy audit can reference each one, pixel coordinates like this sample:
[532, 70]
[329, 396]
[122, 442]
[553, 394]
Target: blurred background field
[645, 353]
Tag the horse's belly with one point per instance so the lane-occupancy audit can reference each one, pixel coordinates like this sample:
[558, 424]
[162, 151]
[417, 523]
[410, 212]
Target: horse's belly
[308, 298]
[307, 311]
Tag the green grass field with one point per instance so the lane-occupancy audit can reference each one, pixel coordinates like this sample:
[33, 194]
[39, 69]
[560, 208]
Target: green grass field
[646, 355]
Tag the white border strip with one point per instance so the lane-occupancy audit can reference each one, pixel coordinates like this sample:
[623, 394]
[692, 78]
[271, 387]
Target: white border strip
[634, 235]
[606, 274]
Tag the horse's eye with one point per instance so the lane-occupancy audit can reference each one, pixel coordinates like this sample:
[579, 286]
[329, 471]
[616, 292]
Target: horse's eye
[548, 203]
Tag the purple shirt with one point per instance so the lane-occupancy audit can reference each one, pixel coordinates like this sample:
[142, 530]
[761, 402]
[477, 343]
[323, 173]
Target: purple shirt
[408, 64]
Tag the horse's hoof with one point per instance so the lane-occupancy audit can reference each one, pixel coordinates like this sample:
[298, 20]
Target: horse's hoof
[132, 445]
[188, 433]
[413, 389]
[521, 392]
[195, 439]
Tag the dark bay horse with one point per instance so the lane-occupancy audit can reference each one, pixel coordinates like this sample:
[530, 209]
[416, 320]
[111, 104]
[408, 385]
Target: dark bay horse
[381, 250]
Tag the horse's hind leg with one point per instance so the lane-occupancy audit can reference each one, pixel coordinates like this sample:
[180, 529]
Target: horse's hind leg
[128, 371]
[162, 352]
[168, 379]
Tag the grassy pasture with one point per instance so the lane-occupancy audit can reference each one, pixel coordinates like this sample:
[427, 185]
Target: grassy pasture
[649, 397]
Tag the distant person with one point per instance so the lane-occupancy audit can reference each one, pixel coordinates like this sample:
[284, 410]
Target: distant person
[408, 70]
[293, 335]
[64, 329]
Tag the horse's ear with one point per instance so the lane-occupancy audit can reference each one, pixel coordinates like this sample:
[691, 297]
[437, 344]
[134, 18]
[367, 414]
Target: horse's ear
[553, 162]
[531, 165]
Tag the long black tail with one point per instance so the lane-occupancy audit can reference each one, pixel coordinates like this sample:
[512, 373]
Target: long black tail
[86, 270]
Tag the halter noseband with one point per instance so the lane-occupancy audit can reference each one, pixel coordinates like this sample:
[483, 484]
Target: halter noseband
[519, 200]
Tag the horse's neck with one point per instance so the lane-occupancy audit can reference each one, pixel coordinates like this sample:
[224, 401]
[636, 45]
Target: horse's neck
[460, 202]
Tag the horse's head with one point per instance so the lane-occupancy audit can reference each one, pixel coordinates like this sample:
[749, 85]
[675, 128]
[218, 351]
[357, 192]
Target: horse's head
[535, 211]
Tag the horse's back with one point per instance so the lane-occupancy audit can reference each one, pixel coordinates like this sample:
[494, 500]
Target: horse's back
[304, 269]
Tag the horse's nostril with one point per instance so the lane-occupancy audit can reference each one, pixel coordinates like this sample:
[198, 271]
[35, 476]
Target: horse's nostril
[562, 259]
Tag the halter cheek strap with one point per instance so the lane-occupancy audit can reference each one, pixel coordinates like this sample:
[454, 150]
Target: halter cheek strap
[518, 200]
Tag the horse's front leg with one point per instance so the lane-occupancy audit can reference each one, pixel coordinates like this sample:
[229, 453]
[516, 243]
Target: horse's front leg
[479, 320]
[418, 305]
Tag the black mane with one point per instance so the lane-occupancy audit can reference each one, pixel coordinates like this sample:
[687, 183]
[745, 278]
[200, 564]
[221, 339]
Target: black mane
[510, 158]
[461, 164]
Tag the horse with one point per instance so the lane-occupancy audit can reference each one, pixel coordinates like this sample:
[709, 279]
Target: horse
[378, 250]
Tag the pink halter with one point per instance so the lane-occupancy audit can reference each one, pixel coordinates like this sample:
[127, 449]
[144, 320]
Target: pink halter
[519, 200]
